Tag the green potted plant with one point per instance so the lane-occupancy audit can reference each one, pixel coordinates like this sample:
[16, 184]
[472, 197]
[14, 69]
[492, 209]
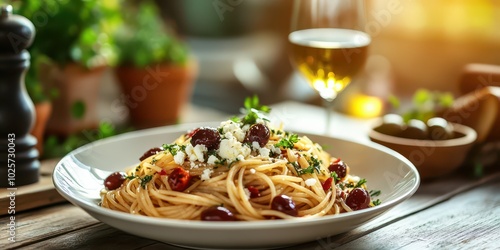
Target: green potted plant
[154, 70]
[73, 36]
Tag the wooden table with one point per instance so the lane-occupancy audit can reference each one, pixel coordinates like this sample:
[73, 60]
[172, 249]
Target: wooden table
[458, 211]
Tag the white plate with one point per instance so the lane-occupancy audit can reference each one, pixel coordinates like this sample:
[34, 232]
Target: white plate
[79, 178]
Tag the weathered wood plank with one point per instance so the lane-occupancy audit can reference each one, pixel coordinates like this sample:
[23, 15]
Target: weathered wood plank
[470, 220]
[34, 195]
[98, 236]
[428, 195]
[46, 223]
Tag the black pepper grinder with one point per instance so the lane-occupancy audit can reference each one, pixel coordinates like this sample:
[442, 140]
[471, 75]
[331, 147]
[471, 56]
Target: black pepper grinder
[19, 163]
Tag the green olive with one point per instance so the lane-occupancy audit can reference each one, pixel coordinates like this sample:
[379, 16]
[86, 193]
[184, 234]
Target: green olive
[439, 129]
[392, 124]
[415, 129]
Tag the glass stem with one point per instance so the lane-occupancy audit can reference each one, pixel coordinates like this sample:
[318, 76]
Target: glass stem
[328, 104]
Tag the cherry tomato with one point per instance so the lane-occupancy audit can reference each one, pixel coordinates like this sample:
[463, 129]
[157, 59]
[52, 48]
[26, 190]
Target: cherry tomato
[217, 214]
[114, 180]
[338, 167]
[209, 137]
[358, 199]
[258, 133]
[150, 152]
[284, 204]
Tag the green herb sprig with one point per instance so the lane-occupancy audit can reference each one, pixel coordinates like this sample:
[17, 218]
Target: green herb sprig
[359, 184]
[253, 110]
[288, 142]
[173, 148]
[374, 193]
[335, 176]
[144, 180]
[314, 165]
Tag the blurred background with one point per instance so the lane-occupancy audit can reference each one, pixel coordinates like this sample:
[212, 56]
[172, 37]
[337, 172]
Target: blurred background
[225, 50]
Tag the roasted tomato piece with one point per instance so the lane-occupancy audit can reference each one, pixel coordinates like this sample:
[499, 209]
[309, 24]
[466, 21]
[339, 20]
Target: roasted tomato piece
[327, 184]
[179, 179]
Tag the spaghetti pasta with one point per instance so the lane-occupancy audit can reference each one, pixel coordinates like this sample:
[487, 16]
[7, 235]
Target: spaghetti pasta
[239, 171]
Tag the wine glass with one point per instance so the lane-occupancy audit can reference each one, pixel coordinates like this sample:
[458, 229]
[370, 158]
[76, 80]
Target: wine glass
[328, 45]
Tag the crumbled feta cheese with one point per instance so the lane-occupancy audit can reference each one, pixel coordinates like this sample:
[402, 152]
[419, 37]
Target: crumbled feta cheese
[179, 157]
[310, 182]
[255, 145]
[264, 152]
[200, 151]
[229, 135]
[234, 129]
[275, 150]
[206, 174]
[252, 171]
[193, 165]
[196, 153]
[240, 157]
[259, 120]
[212, 159]
[230, 148]
[245, 128]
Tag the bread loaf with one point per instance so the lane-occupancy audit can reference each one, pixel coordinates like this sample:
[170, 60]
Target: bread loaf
[480, 110]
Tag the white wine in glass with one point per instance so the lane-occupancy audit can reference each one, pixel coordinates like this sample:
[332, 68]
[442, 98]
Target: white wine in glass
[328, 46]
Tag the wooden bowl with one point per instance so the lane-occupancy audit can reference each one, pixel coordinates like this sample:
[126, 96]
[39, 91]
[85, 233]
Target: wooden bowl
[432, 158]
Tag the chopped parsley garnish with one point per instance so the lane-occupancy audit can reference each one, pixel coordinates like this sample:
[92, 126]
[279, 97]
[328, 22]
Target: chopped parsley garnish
[212, 152]
[221, 162]
[360, 183]
[376, 202]
[288, 142]
[276, 132]
[335, 176]
[130, 177]
[296, 166]
[144, 180]
[314, 164]
[224, 161]
[374, 193]
[253, 110]
[173, 148]
[308, 170]
[153, 161]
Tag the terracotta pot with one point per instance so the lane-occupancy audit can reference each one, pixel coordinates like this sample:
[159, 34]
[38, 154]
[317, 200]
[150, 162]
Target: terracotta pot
[155, 95]
[42, 111]
[75, 84]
